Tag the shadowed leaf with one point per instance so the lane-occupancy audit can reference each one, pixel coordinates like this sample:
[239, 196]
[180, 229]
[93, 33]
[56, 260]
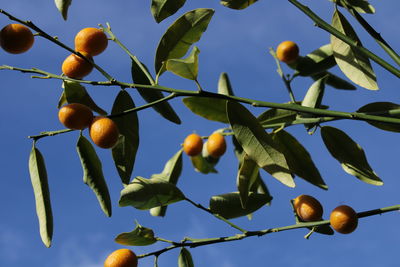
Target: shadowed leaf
[185, 258]
[237, 4]
[383, 109]
[140, 236]
[224, 85]
[210, 108]
[162, 9]
[247, 175]
[317, 61]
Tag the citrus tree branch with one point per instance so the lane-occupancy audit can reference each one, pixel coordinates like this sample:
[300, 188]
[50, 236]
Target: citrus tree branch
[319, 22]
[192, 243]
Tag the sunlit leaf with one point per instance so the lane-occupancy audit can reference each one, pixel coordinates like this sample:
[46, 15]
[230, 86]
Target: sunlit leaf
[298, 158]
[171, 173]
[184, 32]
[145, 194]
[38, 174]
[62, 6]
[124, 153]
[317, 61]
[140, 77]
[207, 107]
[237, 4]
[201, 164]
[350, 155]
[361, 6]
[93, 173]
[224, 85]
[388, 109]
[185, 258]
[162, 9]
[140, 236]
[187, 68]
[351, 62]
[74, 92]
[229, 205]
[257, 143]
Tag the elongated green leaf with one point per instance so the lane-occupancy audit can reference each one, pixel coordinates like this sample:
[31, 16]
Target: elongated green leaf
[210, 108]
[298, 158]
[62, 6]
[164, 108]
[224, 85]
[350, 155]
[162, 9]
[229, 205]
[275, 116]
[237, 4]
[361, 6]
[145, 194]
[38, 174]
[140, 236]
[384, 109]
[171, 173]
[247, 175]
[334, 81]
[187, 68]
[184, 32]
[185, 258]
[317, 61]
[75, 93]
[93, 173]
[124, 153]
[202, 165]
[351, 62]
[257, 143]
[314, 95]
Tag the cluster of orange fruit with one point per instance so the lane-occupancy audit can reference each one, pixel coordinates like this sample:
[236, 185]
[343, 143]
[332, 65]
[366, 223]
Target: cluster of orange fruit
[215, 145]
[89, 42]
[343, 218]
[102, 130]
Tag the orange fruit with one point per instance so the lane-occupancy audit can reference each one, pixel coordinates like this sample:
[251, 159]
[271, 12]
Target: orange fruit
[287, 52]
[216, 145]
[193, 145]
[75, 116]
[344, 219]
[104, 132]
[121, 258]
[16, 38]
[308, 208]
[91, 40]
[77, 67]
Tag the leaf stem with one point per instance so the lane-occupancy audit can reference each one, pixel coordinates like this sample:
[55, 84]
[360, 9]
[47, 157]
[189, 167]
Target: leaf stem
[215, 215]
[50, 133]
[192, 243]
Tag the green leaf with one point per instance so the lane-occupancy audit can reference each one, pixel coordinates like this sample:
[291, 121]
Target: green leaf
[350, 155]
[93, 173]
[224, 85]
[298, 158]
[62, 6]
[171, 173]
[207, 107]
[229, 205]
[140, 236]
[257, 143]
[184, 32]
[145, 194]
[140, 77]
[38, 175]
[202, 165]
[74, 92]
[361, 6]
[317, 61]
[247, 175]
[334, 81]
[388, 109]
[185, 258]
[124, 153]
[187, 68]
[162, 9]
[275, 117]
[237, 4]
[351, 62]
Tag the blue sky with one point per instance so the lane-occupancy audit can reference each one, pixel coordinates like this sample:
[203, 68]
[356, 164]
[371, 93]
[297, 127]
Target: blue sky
[236, 42]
